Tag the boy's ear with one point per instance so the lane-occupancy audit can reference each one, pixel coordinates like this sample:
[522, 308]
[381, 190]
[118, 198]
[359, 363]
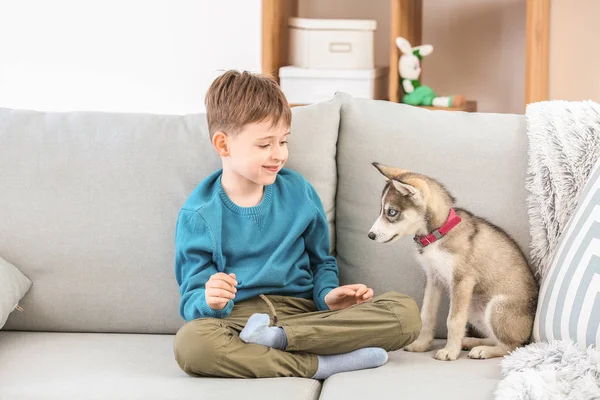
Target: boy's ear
[219, 141]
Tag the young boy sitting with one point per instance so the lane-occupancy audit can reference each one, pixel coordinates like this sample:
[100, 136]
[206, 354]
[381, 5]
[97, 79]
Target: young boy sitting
[259, 289]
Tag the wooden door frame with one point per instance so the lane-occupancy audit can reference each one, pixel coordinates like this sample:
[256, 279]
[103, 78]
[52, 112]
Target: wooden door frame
[406, 20]
[275, 14]
[537, 59]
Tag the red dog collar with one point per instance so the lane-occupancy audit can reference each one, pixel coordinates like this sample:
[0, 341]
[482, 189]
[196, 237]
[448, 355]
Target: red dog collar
[450, 223]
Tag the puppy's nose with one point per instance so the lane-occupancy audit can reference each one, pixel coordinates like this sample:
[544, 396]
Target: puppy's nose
[371, 235]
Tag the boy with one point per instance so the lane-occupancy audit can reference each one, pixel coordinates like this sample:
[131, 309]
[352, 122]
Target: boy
[252, 246]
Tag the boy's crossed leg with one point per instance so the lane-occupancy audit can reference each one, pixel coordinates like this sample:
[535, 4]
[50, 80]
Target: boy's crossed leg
[258, 331]
[356, 338]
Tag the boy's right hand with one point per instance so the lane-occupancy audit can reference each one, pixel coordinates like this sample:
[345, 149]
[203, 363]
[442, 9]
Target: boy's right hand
[219, 289]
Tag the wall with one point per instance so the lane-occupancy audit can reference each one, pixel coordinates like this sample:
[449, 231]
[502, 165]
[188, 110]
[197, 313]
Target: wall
[479, 46]
[574, 55]
[122, 55]
[161, 55]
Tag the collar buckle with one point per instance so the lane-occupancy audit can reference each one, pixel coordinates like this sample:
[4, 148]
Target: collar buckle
[439, 233]
[417, 240]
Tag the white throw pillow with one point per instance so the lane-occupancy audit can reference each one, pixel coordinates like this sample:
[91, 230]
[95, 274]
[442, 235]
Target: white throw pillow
[13, 287]
[569, 301]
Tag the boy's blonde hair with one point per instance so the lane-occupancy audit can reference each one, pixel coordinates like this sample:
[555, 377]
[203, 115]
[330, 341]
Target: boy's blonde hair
[236, 98]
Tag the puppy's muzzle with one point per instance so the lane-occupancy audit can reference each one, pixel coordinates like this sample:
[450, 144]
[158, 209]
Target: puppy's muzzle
[372, 235]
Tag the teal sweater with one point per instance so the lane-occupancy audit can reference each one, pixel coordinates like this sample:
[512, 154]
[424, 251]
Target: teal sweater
[279, 247]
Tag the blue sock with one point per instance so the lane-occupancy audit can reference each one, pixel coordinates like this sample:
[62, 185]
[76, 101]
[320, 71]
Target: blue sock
[369, 357]
[258, 331]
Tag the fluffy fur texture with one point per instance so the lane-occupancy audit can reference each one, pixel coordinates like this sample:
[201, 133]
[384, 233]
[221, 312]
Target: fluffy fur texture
[564, 145]
[550, 371]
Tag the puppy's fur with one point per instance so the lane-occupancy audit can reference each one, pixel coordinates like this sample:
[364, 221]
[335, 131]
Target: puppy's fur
[491, 286]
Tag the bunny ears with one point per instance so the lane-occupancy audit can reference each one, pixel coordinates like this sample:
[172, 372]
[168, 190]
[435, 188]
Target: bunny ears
[419, 51]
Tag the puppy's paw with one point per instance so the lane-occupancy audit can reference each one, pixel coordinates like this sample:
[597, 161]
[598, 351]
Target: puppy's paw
[483, 352]
[447, 354]
[418, 346]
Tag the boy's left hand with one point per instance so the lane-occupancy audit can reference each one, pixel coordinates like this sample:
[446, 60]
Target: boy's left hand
[345, 296]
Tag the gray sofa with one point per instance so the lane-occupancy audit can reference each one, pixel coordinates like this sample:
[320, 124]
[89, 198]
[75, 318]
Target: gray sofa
[88, 205]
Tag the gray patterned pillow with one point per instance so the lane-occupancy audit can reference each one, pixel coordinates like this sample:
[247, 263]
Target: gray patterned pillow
[569, 301]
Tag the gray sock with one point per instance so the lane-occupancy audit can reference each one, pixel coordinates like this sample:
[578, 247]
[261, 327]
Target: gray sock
[369, 357]
[258, 331]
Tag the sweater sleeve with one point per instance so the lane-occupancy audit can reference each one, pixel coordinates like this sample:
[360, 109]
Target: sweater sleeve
[194, 248]
[316, 239]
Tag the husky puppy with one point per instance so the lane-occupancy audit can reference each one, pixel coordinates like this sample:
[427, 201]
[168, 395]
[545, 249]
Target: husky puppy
[491, 287]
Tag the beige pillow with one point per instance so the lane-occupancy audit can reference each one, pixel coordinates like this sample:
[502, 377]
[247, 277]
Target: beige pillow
[13, 287]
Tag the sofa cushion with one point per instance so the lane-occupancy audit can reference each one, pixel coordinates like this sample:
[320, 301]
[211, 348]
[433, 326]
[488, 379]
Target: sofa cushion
[481, 158]
[89, 205]
[569, 302]
[13, 286]
[36, 365]
[418, 376]
[313, 150]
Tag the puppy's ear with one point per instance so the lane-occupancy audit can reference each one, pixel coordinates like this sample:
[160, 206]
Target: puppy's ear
[404, 188]
[389, 172]
[411, 189]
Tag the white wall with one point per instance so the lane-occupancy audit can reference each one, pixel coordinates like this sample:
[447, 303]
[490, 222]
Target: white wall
[155, 56]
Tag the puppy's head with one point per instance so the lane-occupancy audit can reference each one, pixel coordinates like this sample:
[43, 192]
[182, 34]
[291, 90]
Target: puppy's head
[403, 205]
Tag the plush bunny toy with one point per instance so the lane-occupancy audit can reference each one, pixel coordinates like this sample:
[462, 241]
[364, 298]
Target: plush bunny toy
[409, 67]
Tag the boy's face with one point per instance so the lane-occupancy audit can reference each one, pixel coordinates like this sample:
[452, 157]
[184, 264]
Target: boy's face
[259, 151]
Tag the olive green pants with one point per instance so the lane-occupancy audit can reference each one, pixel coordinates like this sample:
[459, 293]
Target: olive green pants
[212, 347]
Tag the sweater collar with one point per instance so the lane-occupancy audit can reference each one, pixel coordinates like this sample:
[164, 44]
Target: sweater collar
[258, 209]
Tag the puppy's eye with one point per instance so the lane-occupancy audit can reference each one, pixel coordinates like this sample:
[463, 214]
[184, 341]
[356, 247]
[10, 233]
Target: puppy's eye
[392, 212]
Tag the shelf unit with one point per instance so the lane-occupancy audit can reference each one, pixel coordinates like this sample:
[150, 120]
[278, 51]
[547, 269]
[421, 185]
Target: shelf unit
[406, 19]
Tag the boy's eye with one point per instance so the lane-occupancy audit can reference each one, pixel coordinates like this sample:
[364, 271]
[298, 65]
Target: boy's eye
[284, 142]
[392, 212]
[263, 146]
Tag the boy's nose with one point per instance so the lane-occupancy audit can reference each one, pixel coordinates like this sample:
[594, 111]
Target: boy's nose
[277, 154]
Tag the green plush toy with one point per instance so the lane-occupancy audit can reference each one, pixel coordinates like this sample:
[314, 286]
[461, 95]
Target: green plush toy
[409, 67]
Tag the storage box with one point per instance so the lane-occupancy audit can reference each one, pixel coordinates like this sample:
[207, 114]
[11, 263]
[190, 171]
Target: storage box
[332, 43]
[305, 86]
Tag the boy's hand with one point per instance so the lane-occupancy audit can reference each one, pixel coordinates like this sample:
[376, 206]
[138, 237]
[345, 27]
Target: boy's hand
[345, 296]
[219, 289]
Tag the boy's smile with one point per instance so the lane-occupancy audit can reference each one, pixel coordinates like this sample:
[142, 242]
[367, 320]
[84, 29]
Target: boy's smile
[273, 169]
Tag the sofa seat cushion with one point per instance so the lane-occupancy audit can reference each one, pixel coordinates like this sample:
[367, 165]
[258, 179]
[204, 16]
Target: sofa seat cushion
[418, 376]
[38, 365]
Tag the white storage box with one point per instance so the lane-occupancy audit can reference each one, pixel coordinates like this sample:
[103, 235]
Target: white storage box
[305, 86]
[332, 43]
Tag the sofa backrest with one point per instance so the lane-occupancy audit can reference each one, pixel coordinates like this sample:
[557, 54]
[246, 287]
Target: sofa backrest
[89, 201]
[481, 158]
